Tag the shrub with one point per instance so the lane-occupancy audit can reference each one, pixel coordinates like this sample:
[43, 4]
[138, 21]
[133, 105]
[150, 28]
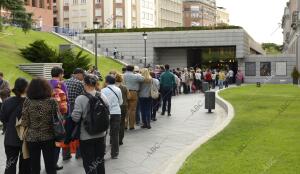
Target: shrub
[39, 52]
[295, 74]
[71, 61]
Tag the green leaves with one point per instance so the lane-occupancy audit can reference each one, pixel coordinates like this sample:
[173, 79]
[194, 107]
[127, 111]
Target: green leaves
[18, 15]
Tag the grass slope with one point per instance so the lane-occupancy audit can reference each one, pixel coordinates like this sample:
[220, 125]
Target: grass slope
[12, 39]
[263, 137]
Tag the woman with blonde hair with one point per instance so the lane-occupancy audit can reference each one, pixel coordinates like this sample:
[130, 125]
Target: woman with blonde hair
[145, 98]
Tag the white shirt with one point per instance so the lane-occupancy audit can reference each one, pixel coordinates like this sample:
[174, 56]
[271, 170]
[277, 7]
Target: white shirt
[230, 73]
[113, 100]
[198, 76]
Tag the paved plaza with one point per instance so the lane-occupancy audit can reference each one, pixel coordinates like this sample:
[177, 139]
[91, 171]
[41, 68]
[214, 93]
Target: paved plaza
[149, 151]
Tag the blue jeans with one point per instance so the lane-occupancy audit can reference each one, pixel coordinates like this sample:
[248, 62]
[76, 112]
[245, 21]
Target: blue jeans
[221, 84]
[145, 105]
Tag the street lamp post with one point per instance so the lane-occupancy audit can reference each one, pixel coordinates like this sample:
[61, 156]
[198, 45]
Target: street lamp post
[96, 26]
[145, 35]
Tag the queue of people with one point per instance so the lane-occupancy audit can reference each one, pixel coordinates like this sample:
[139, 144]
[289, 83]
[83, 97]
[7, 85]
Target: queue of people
[87, 114]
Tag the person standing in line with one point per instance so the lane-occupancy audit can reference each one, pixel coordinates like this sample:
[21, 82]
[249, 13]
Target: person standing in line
[145, 98]
[213, 79]
[92, 147]
[185, 79]
[132, 82]
[155, 102]
[37, 116]
[10, 112]
[75, 88]
[221, 79]
[124, 106]
[4, 94]
[167, 82]
[231, 76]
[198, 79]
[191, 79]
[138, 106]
[114, 97]
[60, 94]
[208, 77]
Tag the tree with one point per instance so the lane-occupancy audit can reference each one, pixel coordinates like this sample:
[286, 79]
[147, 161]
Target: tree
[39, 52]
[272, 48]
[18, 14]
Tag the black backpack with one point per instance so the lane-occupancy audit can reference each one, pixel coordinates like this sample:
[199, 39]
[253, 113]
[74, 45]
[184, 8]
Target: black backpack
[97, 119]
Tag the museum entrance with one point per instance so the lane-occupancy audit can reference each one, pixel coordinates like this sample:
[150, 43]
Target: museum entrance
[213, 58]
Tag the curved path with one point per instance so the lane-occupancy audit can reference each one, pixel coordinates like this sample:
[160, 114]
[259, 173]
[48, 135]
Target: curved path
[151, 151]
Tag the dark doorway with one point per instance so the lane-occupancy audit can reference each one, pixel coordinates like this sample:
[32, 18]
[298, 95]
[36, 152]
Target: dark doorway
[213, 58]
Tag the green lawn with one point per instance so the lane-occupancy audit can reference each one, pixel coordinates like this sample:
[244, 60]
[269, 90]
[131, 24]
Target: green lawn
[263, 137]
[11, 39]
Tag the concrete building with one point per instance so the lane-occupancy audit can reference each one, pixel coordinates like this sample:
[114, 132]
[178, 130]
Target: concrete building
[222, 16]
[220, 48]
[169, 13]
[42, 11]
[80, 14]
[291, 29]
[199, 13]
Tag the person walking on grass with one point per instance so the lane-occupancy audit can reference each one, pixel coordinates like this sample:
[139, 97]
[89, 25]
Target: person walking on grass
[167, 83]
[114, 97]
[92, 146]
[9, 114]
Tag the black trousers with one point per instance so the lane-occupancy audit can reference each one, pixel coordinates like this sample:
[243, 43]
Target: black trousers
[92, 153]
[154, 108]
[12, 156]
[115, 121]
[122, 123]
[48, 149]
[166, 96]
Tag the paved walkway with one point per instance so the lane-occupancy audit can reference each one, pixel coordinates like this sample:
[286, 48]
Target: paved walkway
[148, 151]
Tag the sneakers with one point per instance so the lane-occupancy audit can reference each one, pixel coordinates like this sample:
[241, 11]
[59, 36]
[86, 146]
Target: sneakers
[59, 167]
[169, 114]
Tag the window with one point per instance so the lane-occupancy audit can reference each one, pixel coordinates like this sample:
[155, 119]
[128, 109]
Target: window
[119, 12]
[83, 12]
[83, 1]
[98, 1]
[75, 2]
[281, 69]
[265, 68]
[98, 12]
[33, 3]
[66, 14]
[250, 69]
[119, 1]
[66, 2]
[41, 4]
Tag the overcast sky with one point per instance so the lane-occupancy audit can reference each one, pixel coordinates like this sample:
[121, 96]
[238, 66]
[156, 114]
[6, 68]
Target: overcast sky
[259, 17]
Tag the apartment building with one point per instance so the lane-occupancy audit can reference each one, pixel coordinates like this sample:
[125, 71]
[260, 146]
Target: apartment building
[199, 13]
[222, 16]
[291, 29]
[147, 14]
[42, 11]
[80, 14]
[169, 13]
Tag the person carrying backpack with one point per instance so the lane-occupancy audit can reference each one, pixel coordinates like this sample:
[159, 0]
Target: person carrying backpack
[91, 110]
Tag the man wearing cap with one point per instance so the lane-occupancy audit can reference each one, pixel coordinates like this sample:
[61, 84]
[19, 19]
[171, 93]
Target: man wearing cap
[75, 88]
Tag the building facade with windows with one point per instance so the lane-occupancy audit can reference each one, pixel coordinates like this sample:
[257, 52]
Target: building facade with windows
[80, 14]
[147, 14]
[222, 16]
[42, 11]
[291, 29]
[199, 13]
[168, 13]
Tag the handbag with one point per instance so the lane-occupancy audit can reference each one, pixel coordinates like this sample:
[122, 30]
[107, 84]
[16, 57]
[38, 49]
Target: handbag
[58, 125]
[154, 91]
